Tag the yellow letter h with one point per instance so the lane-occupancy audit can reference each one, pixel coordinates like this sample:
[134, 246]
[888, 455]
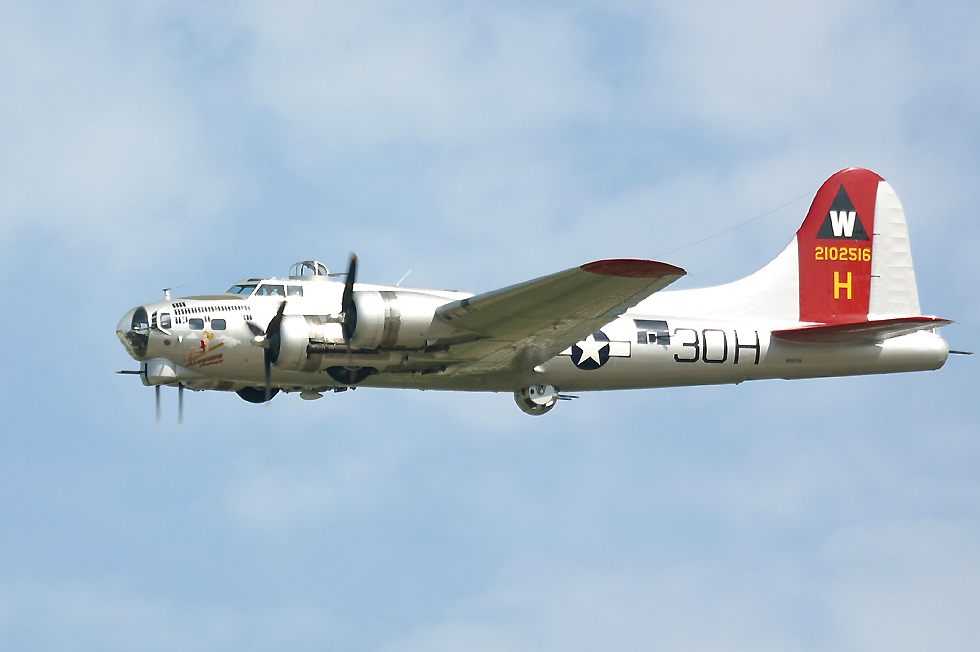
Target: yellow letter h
[838, 286]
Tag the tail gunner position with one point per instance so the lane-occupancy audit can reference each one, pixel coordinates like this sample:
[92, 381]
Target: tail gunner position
[839, 300]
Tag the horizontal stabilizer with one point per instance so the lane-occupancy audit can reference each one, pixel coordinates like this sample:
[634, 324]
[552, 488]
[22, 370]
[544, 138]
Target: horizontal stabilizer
[860, 331]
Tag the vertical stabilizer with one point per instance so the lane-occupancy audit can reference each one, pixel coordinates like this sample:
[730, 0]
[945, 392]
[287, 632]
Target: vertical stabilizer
[849, 262]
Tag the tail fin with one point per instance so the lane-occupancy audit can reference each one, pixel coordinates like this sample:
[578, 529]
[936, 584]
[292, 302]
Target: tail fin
[854, 255]
[849, 262]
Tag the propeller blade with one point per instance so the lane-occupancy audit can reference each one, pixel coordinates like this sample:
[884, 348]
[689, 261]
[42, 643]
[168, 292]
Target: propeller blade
[157, 390]
[272, 330]
[267, 361]
[180, 404]
[263, 336]
[347, 305]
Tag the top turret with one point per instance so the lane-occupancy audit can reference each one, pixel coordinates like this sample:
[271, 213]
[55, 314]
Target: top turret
[309, 270]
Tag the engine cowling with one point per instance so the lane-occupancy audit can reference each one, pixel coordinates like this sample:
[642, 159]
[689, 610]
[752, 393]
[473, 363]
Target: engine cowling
[395, 319]
[295, 335]
[385, 320]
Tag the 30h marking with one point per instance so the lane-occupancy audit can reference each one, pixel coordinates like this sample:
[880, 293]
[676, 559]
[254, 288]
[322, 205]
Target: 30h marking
[710, 345]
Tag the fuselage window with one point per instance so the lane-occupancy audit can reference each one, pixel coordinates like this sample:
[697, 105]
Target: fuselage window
[218, 324]
[294, 290]
[196, 324]
[164, 320]
[270, 290]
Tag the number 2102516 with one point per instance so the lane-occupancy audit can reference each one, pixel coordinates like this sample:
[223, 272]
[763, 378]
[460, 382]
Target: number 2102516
[851, 254]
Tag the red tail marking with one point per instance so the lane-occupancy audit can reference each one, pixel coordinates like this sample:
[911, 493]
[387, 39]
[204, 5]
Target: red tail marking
[835, 245]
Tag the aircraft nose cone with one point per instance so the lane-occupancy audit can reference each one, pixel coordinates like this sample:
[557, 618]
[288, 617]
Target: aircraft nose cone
[133, 330]
[126, 322]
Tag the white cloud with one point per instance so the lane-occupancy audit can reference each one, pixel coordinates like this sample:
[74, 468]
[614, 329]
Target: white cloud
[905, 585]
[901, 586]
[104, 147]
[430, 73]
[275, 498]
[757, 70]
[544, 605]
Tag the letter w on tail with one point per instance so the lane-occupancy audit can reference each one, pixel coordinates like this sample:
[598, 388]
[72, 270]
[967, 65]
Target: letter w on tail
[843, 223]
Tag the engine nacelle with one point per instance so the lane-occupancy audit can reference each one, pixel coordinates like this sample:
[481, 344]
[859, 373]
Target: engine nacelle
[383, 320]
[295, 335]
[396, 319]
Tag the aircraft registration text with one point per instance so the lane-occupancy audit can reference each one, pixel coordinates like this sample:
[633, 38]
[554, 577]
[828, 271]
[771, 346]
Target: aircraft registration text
[853, 254]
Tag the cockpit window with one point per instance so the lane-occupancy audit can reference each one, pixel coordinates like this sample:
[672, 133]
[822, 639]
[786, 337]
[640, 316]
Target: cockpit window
[294, 290]
[270, 290]
[244, 290]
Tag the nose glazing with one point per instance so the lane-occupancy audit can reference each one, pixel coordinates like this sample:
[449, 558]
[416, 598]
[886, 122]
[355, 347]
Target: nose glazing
[133, 330]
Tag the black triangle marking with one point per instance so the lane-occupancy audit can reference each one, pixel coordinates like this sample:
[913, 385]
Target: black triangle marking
[842, 205]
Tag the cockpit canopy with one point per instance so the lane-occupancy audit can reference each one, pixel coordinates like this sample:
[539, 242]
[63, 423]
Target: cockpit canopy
[305, 270]
[244, 289]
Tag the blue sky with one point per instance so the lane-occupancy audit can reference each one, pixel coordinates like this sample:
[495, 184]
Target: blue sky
[155, 144]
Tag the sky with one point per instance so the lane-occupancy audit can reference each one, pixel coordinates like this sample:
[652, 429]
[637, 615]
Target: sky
[146, 145]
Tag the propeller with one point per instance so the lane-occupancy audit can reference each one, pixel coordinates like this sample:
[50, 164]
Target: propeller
[349, 309]
[180, 404]
[347, 306]
[268, 339]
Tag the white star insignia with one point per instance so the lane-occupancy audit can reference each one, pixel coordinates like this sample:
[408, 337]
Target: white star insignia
[591, 347]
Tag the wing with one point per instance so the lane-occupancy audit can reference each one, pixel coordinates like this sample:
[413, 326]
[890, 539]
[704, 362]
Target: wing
[521, 326]
[864, 331]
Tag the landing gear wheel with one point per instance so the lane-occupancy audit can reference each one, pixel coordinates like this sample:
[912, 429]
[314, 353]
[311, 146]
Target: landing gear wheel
[256, 394]
[536, 399]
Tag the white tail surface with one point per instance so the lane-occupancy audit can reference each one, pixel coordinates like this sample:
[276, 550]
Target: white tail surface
[893, 288]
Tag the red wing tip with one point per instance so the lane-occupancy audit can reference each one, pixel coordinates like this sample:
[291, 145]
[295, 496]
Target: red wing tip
[632, 268]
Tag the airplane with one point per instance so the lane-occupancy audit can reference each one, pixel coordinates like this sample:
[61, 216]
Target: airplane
[839, 300]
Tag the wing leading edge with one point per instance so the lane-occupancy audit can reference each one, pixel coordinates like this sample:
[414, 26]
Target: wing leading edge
[523, 325]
